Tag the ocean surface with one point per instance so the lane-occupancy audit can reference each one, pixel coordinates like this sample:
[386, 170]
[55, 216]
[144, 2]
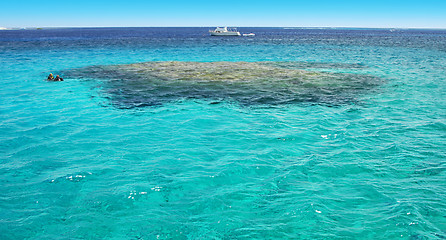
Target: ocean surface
[105, 154]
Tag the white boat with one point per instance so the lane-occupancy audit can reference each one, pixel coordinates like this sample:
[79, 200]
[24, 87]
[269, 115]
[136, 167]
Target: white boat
[248, 34]
[224, 31]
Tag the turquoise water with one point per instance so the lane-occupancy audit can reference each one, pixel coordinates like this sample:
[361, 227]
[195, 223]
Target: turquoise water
[79, 162]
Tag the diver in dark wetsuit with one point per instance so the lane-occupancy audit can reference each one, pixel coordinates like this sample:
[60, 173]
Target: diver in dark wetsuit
[58, 79]
[50, 77]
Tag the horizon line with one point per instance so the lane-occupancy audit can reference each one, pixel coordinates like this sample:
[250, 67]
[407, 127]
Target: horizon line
[342, 27]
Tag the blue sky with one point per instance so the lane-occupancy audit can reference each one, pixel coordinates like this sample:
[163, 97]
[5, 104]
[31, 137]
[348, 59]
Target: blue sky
[239, 13]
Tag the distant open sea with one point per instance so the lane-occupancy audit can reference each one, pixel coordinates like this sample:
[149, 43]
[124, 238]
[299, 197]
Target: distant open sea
[87, 158]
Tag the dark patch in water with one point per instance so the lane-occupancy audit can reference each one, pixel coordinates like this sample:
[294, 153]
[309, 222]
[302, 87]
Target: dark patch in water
[318, 65]
[248, 83]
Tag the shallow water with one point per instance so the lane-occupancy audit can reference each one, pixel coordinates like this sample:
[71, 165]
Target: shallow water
[100, 157]
[245, 83]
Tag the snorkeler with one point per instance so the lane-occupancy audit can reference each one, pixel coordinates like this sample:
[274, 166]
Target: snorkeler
[58, 79]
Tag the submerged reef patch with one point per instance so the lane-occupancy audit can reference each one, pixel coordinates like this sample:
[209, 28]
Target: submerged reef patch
[248, 83]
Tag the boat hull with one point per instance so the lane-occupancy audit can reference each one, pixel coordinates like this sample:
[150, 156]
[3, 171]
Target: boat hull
[225, 33]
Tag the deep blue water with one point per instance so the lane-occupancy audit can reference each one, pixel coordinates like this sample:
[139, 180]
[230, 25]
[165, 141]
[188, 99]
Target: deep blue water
[91, 158]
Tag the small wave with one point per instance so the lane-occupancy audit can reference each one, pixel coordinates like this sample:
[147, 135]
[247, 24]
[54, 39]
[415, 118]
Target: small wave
[70, 177]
